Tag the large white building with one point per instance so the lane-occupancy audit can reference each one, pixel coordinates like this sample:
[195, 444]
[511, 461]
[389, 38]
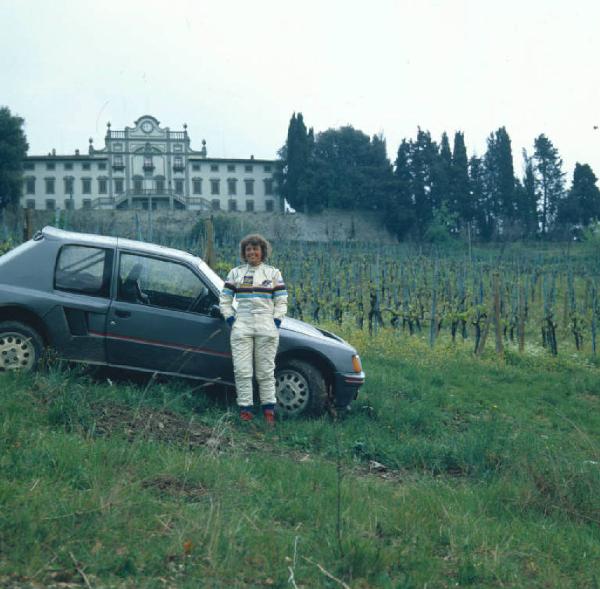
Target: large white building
[149, 166]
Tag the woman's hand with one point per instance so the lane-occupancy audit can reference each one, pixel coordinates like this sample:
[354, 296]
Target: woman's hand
[230, 321]
[277, 323]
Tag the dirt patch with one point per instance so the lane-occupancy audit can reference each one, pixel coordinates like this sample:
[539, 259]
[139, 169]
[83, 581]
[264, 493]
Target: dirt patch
[168, 486]
[157, 425]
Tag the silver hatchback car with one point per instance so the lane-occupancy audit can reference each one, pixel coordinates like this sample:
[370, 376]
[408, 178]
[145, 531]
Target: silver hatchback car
[139, 306]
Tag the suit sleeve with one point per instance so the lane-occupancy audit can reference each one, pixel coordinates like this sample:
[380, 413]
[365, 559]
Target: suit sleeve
[226, 297]
[280, 297]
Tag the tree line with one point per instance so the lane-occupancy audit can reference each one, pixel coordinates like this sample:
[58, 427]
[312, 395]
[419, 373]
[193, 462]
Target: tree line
[434, 190]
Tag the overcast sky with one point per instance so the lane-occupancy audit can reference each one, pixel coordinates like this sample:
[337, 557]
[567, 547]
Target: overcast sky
[234, 71]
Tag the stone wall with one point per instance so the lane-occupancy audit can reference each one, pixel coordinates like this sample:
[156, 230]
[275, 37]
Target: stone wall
[327, 226]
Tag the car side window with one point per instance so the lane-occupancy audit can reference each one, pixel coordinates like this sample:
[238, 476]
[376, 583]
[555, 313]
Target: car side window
[83, 269]
[161, 283]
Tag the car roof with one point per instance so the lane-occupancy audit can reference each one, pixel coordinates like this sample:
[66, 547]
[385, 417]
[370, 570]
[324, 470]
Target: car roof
[122, 243]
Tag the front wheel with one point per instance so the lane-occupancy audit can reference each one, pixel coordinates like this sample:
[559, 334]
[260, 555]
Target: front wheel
[300, 389]
[21, 346]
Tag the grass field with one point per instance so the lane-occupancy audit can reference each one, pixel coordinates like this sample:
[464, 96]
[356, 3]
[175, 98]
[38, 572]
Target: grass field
[450, 470]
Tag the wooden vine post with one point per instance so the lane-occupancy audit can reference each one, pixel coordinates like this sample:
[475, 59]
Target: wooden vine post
[209, 249]
[497, 323]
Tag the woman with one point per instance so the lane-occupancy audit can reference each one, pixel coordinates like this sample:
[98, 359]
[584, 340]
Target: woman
[262, 304]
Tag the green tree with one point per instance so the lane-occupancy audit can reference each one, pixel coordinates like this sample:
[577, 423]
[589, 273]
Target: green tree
[350, 170]
[399, 208]
[13, 149]
[582, 205]
[549, 181]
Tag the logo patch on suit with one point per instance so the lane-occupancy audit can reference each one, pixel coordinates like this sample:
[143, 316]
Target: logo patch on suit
[248, 280]
[266, 283]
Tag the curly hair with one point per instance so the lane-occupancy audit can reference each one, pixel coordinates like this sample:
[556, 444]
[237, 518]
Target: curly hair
[255, 239]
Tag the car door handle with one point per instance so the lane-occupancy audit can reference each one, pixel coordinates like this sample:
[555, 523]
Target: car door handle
[123, 314]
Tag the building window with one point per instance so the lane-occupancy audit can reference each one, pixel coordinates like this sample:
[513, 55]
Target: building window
[268, 186]
[102, 166]
[232, 205]
[49, 185]
[178, 186]
[214, 167]
[196, 167]
[148, 165]
[30, 185]
[69, 204]
[215, 187]
[30, 204]
[249, 186]
[68, 185]
[86, 166]
[178, 163]
[197, 186]
[50, 166]
[118, 185]
[101, 185]
[231, 186]
[269, 206]
[118, 147]
[216, 204]
[68, 165]
[86, 185]
[138, 185]
[267, 168]
[250, 206]
[160, 184]
[248, 168]
[50, 204]
[86, 204]
[28, 166]
[230, 168]
[178, 147]
[118, 162]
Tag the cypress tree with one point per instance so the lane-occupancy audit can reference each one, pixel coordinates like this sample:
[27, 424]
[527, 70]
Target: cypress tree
[400, 209]
[500, 181]
[549, 180]
[460, 198]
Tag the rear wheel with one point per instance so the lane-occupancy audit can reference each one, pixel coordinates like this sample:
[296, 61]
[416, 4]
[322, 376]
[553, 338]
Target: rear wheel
[300, 389]
[21, 346]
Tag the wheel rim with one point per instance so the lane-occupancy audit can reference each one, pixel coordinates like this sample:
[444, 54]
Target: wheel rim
[16, 351]
[292, 391]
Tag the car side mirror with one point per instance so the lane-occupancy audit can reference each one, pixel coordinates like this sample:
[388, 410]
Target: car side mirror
[215, 312]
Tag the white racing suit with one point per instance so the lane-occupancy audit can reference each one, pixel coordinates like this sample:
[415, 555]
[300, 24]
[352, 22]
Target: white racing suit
[261, 298]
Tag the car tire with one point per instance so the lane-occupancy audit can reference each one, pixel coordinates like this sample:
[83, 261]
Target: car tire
[21, 346]
[300, 389]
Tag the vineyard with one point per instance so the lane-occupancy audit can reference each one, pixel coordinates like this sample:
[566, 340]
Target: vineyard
[541, 295]
[515, 298]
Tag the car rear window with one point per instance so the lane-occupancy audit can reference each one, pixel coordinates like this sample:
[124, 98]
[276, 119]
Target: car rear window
[84, 270]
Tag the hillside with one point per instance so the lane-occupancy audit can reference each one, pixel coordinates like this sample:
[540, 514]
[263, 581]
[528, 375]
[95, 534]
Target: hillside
[450, 470]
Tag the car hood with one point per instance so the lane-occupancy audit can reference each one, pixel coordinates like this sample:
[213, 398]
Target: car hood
[297, 326]
[301, 327]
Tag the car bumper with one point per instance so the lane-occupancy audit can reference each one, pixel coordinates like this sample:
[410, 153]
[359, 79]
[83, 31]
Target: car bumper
[346, 387]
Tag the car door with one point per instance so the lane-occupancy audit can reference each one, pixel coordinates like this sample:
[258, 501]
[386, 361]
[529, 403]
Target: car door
[82, 282]
[160, 320]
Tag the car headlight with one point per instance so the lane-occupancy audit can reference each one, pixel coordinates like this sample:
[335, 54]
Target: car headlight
[356, 363]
